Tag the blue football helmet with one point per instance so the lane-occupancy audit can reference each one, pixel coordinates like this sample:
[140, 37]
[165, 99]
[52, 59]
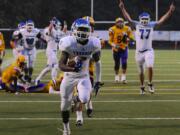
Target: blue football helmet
[81, 29]
[21, 25]
[144, 18]
[29, 25]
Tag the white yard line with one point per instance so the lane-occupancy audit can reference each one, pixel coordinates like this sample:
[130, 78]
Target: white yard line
[130, 89]
[91, 119]
[108, 101]
[112, 81]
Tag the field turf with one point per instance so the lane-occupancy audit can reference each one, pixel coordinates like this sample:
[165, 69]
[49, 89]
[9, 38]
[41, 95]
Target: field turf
[118, 109]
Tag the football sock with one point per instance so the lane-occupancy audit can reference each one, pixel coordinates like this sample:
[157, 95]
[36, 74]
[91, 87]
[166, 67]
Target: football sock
[43, 73]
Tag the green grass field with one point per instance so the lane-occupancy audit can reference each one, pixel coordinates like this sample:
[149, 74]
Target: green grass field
[118, 109]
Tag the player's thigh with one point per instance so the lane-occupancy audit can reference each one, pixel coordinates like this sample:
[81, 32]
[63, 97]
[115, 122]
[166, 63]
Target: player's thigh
[124, 56]
[67, 87]
[140, 58]
[51, 58]
[84, 89]
[140, 61]
[149, 58]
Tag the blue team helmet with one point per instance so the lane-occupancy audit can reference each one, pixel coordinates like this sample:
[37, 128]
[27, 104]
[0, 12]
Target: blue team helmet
[21, 25]
[29, 25]
[81, 29]
[144, 18]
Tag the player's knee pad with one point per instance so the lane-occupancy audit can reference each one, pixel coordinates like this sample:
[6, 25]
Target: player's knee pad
[65, 116]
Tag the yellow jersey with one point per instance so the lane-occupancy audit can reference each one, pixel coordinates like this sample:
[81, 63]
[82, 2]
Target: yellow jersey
[55, 85]
[119, 37]
[2, 43]
[10, 73]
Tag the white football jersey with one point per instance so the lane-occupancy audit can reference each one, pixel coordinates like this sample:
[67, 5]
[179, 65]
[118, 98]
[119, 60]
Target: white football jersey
[29, 38]
[144, 35]
[53, 38]
[70, 45]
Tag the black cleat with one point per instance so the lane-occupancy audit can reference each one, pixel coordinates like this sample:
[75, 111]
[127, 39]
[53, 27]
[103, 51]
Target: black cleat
[151, 88]
[89, 113]
[79, 123]
[142, 90]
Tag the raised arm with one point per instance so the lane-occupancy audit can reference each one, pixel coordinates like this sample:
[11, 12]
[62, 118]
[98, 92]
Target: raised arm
[125, 13]
[167, 15]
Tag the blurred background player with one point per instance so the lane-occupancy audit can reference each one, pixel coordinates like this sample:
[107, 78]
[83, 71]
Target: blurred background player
[17, 44]
[79, 46]
[12, 74]
[2, 51]
[144, 36]
[52, 35]
[30, 35]
[119, 35]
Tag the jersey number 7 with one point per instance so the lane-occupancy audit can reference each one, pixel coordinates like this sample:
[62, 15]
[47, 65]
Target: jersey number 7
[145, 33]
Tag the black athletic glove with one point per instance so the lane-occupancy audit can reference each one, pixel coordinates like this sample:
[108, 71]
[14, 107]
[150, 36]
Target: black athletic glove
[97, 86]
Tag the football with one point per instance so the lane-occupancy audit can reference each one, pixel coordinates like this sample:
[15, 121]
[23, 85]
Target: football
[71, 63]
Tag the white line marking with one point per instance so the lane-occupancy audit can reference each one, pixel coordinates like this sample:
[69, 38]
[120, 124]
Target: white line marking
[110, 101]
[92, 119]
[131, 89]
[112, 81]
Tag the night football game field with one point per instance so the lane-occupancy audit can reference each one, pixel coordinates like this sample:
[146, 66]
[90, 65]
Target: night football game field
[118, 109]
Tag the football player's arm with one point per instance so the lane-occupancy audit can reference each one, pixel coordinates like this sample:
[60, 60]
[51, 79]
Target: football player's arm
[40, 37]
[167, 15]
[124, 11]
[2, 39]
[111, 37]
[130, 34]
[12, 44]
[63, 63]
[65, 27]
[16, 37]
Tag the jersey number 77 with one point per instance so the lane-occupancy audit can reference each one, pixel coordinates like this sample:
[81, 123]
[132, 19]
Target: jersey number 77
[145, 33]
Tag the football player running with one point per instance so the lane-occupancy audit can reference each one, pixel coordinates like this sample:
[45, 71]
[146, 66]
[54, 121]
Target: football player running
[52, 35]
[92, 62]
[2, 50]
[80, 46]
[144, 50]
[119, 37]
[30, 36]
[16, 44]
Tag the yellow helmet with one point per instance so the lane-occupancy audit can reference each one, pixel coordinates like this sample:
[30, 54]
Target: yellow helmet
[90, 20]
[21, 59]
[119, 20]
